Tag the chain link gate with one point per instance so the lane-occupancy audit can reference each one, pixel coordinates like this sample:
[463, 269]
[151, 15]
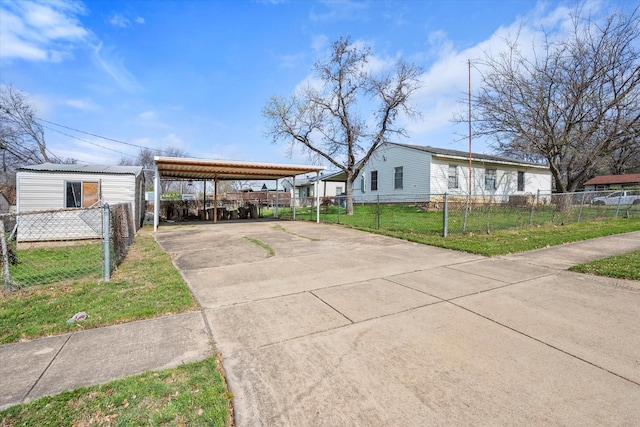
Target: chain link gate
[59, 247]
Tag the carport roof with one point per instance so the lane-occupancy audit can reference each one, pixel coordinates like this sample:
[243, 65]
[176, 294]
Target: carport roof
[189, 168]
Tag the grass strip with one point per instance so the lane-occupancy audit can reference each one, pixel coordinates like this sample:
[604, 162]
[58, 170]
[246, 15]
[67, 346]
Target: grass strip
[518, 240]
[145, 285]
[625, 266]
[269, 249]
[193, 394]
[284, 230]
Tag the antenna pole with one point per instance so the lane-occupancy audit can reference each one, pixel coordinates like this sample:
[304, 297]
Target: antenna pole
[470, 161]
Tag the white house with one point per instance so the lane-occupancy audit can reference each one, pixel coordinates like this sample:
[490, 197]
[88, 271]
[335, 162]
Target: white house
[53, 187]
[399, 172]
[329, 185]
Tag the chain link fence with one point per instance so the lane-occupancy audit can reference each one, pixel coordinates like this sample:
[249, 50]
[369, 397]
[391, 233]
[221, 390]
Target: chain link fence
[445, 214]
[59, 247]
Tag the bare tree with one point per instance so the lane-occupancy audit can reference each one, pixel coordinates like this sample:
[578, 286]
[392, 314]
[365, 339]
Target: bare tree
[145, 157]
[575, 104]
[350, 115]
[21, 135]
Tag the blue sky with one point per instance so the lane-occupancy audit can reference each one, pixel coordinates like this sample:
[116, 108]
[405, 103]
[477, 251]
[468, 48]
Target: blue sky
[197, 74]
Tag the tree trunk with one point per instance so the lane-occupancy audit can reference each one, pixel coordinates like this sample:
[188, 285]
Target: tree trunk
[349, 190]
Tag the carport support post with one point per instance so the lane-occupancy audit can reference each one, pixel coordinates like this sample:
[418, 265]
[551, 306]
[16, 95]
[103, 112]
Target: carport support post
[294, 198]
[215, 200]
[156, 200]
[277, 202]
[318, 197]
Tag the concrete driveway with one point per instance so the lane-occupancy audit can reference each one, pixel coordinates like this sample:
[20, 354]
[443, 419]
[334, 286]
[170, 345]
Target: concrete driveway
[341, 327]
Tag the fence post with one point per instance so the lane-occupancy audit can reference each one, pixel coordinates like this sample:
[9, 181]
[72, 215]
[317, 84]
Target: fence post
[533, 205]
[5, 256]
[581, 205]
[378, 202]
[618, 206]
[106, 234]
[445, 216]
[339, 206]
[466, 214]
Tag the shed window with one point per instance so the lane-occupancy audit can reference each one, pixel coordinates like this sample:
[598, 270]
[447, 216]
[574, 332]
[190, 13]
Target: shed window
[490, 179]
[520, 181]
[374, 180]
[80, 194]
[398, 177]
[453, 176]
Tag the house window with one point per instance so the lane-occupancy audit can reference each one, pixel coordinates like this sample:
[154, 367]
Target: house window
[490, 179]
[80, 194]
[338, 191]
[398, 175]
[520, 181]
[453, 176]
[374, 180]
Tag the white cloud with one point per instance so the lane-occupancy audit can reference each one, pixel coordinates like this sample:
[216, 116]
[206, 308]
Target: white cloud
[41, 31]
[81, 104]
[147, 115]
[445, 81]
[119, 21]
[114, 67]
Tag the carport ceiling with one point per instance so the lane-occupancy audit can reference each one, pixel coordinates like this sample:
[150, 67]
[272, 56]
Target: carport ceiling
[227, 170]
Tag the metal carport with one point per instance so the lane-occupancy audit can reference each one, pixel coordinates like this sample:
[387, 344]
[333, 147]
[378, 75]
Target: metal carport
[224, 170]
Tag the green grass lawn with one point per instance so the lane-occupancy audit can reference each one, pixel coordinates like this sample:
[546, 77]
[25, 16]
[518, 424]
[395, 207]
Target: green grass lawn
[189, 395]
[49, 265]
[145, 285]
[625, 266]
[508, 230]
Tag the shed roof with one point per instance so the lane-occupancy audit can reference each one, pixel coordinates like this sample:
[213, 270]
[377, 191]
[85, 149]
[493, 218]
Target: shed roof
[76, 168]
[632, 178]
[189, 168]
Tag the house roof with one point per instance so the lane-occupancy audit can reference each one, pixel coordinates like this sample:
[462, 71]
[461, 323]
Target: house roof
[464, 155]
[189, 168]
[75, 168]
[632, 178]
[333, 176]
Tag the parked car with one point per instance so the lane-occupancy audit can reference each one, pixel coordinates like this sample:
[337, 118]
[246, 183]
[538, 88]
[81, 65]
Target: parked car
[625, 197]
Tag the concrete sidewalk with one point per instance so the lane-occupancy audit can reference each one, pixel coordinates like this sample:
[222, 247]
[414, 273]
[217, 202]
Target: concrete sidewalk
[344, 327]
[48, 366]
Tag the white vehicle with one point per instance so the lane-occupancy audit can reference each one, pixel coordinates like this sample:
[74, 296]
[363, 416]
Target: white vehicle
[618, 198]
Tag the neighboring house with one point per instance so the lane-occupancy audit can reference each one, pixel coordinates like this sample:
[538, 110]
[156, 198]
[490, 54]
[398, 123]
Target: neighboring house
[613, 182]
[400, 172]
[53, 187]
[329, 184]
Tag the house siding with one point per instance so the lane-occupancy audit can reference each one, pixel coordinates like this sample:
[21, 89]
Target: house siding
[506, 179]
[45, 191]
[427, 174]
[415, 170]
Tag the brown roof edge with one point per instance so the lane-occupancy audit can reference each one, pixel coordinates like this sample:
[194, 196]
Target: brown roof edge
[632, 178]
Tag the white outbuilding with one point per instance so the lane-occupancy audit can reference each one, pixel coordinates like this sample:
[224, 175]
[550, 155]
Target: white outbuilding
[68, 187]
